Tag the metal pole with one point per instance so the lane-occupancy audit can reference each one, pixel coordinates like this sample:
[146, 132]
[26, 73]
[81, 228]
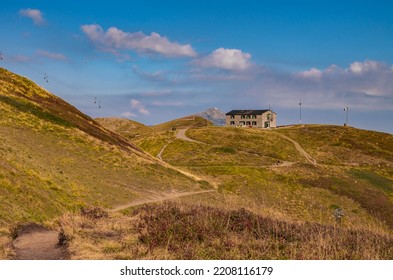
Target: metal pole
[346, 109]
[347, 115]
[300, 105]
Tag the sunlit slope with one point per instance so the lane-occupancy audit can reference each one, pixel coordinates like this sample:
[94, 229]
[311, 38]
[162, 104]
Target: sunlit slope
[53, 158]
[186, 122]
[34, 103]
[129, 129]
[162, 134]
[337, 145]
[268, 172]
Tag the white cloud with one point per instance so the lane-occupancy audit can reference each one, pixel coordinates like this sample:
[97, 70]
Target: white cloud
[228, 59]
[313, 73]
[366, 66]
[115, 39]
[55, 56]
[34, 14]
[138, 106]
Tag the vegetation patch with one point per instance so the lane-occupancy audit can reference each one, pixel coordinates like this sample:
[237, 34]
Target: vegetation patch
[375, 201]
[29, 107]
[179, 231]
[381, 182]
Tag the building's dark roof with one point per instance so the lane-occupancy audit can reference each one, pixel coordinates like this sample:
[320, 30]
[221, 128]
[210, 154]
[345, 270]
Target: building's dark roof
[246, 112]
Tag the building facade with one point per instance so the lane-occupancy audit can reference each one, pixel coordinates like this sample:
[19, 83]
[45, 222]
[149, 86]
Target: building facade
[251, 118]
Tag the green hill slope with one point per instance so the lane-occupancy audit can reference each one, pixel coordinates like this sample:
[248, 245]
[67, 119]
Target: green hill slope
[129, 129]
[55, 159]
[162, 134]
[299, 173]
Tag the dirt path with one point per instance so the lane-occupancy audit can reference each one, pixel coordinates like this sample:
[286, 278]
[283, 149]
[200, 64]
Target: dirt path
[159, 199]
[181, 134]
[161, 151]
[35, 242]
[299, 148]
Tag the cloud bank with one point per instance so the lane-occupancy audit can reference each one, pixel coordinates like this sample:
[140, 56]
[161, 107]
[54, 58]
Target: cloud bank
[366, 85]
[115, 39]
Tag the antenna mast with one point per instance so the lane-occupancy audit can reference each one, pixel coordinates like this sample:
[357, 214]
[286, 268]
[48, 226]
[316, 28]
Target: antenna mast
[300, 111]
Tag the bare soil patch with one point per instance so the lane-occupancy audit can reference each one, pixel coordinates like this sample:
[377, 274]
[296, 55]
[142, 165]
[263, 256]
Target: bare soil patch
[35, 242]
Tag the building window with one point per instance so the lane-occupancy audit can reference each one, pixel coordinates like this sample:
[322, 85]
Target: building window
[253, 116]
[232, 123]
[248, 123]
[232, 116]
[241, 123]
[247, 116]
[243, 117]
[254, 123]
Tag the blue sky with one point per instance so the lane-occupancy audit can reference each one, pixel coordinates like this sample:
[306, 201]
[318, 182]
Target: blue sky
[153, 61]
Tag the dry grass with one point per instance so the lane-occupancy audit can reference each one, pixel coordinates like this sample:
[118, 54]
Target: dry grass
[180, 231]
[5, 244]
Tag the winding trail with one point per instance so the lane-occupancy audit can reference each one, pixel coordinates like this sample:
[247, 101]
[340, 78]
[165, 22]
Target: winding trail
[35, 242]
[163, 197]
[162, 150]
[181, 134]
[299, 148]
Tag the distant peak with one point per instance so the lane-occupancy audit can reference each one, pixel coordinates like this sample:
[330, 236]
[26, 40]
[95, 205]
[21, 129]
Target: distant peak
[214, 115]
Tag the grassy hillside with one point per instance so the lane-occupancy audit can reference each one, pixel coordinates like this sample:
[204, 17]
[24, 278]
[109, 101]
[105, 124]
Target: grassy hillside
[129, 129]
[265, 172]
[190, 121]
[54, 159]
[162, 134]
[276, 191]
[359, 180]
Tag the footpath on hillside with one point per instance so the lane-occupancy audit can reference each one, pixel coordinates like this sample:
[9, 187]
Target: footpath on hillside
[181, 134]
[299, 148]
[35, 242]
